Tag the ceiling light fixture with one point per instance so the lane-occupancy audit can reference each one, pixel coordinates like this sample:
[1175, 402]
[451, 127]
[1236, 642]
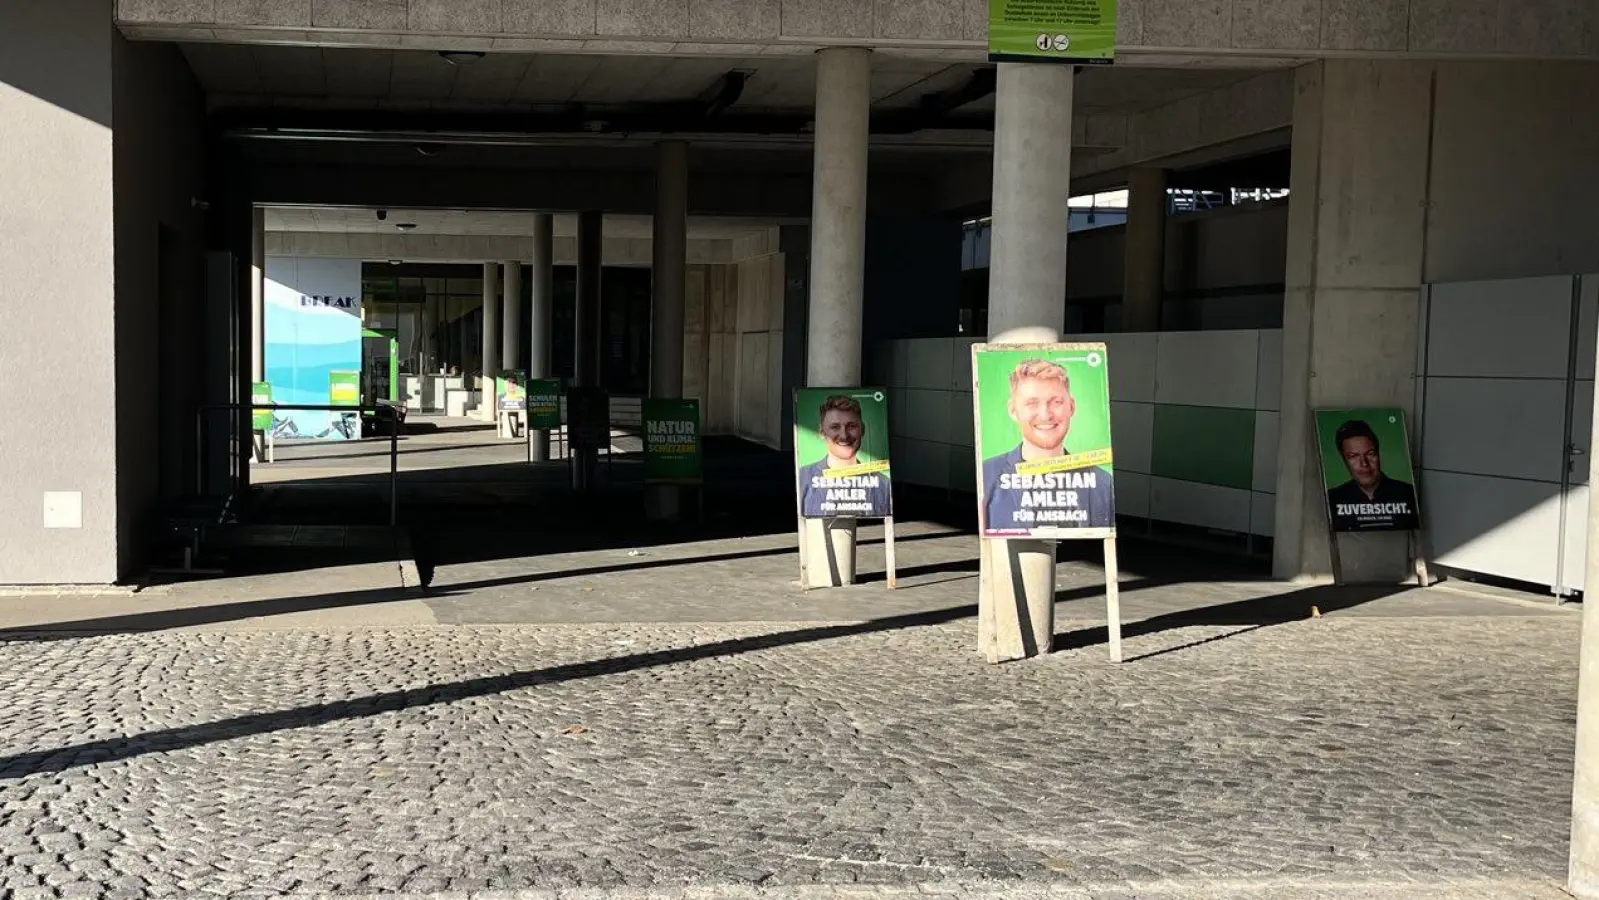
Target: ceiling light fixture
[461, 57]
[405, 226]
[395, 262]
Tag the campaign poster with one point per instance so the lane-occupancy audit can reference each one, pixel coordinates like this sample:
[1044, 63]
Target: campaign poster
[261, 409]
[671, 441]
[841, 453]
[509, 390]
[1366, 469]
[1043, 441]
[544, 403]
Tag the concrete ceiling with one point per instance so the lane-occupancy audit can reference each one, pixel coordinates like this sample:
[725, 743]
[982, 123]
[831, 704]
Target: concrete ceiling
[485, 223]
[236, 75]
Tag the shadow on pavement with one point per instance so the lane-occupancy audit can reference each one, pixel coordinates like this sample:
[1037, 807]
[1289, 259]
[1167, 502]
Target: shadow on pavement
[1251, 614]
[1256, 614]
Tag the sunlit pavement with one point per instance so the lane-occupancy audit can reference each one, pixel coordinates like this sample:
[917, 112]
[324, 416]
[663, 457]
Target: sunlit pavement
[1351, 755]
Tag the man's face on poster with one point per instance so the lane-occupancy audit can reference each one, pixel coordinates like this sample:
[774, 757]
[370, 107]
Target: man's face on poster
[1043, 409]
[1361, 457]
[842, 431]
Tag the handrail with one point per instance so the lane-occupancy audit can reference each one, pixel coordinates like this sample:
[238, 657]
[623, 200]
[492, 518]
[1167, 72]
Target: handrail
[394, 438]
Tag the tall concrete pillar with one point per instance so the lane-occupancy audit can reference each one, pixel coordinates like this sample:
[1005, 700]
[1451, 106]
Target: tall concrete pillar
[838, 270]
[590, 250]
[1144, 250]
[1583, 871]
[511, 324]
[590, 246]
[491, 341]
[1351, 312]
[258, 306]
[430, 336]
[542, 319]
[1027, 304]
[258, 294]
[669, 280]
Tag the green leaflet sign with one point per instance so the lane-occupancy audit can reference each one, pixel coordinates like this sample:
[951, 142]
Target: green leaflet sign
[543, 399]
[1075, 31]
[261, 401]
[671, 440]
[344, 388]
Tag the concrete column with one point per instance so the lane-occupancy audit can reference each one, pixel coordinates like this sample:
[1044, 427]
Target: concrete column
[258, 310]
[1144, 250]
[430, 336]
[838, 269]
[1351, 318]
[1583, 873]
[511, 333]
[258, 294]
[669, 280]
[541, 321]
[590, 248]
[491, 340]
[1027, 304]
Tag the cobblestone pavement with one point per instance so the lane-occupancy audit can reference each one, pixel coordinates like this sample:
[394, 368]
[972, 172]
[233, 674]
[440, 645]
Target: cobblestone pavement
[1386, 756]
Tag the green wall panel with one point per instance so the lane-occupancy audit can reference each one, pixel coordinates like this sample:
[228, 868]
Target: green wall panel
[1207, 444]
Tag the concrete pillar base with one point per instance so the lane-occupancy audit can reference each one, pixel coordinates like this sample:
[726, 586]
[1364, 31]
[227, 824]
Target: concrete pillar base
[663, 502]
[540, 451]
[1017, 585]
[829, 552]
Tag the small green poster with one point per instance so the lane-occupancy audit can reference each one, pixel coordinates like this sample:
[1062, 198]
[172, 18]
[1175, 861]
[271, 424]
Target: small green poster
[509, 389]
[1044, 456]
[1366, 469]
[344, 388]
[543, 399]
[672, 441]
[841, 453]
[1074, 31]
[261, 400]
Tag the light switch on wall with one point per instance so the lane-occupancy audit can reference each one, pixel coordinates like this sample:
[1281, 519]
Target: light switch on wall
[63, 509]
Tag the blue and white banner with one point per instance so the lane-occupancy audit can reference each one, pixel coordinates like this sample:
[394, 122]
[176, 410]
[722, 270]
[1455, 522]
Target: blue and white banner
[313, 328]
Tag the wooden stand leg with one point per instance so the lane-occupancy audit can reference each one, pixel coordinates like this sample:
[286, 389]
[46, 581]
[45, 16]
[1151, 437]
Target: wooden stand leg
[1113, 600]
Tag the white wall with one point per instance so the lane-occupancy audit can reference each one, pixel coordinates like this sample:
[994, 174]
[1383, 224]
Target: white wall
[1515, 171]
[760, 348]
[58, 417]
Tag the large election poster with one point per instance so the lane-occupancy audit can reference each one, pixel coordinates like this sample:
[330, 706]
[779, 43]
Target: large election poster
[1366, 469]
[313, 329]
[1043, 441]
[841, 453]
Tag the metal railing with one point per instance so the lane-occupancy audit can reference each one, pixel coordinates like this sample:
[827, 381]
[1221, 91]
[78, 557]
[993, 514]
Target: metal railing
[381, 412]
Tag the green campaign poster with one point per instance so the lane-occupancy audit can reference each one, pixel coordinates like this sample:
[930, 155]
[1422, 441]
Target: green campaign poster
[261, 401]
[543, 403]
[671, 440]
[1043, 440]
[344, 388]
[509, 389]
[1075, 31]
[1366, 469]
[841, 453]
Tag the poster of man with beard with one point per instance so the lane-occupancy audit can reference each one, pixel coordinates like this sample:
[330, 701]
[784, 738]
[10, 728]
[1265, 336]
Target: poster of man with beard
[1043, 441]
[841, 451]
[1367, 470]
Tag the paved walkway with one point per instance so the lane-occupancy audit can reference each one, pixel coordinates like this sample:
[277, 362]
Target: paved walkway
[1264, 756]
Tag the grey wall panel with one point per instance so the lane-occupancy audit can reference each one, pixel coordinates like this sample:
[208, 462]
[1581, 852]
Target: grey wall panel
[1132, 430]
[1204, 505]
[1207, 368]
[1511, 329]
[1495, 526]
[1581, 430]
[1499, 427]
[1574, 565]
[1587, 324]
[1132, 494]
